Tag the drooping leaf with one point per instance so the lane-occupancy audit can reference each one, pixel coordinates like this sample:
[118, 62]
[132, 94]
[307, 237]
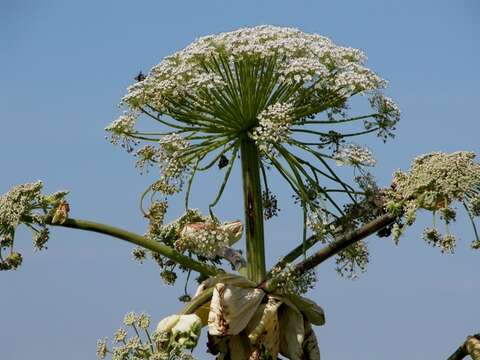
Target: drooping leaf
[314, 313]
[292, 332]
[264, 328]
[239, 347]
[311, 351]
[232, 308]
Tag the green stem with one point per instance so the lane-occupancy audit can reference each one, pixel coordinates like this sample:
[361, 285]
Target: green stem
[133, 238]
[252, 195]
[334, 247]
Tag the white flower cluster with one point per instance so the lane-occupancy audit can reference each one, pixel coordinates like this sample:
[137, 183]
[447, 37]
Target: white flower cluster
[297, 57]
[146, 157]
[317, 221]
[446, 242]
[354, 155]
[355, 78]
[169, 157]
[173, 336]
[289, 282]
[120, 129]
[273, 126]
[26, 203]
[18, 202]
[203, 238]
[353, 260]
[387, 115]
[171, 148]
[435, 181]
[385, 106]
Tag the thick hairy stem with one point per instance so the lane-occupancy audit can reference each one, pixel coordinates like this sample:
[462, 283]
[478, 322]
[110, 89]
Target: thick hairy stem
[471, 347]
[252, 194]
[335, 246]
[142, 241]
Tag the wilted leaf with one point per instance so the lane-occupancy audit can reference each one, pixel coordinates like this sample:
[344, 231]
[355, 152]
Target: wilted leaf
[310, 309]
[311, 350]
[231, 279]
[239, 347]
[232, 308]
[202, 312]
[292, 332]
[264, 327]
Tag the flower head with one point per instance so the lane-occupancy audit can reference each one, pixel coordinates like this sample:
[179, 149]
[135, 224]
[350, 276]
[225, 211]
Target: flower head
[26, 204]
[279, 91]
[121, 129]
[143, 321]
[102, 348]
[130, 319]
[354, 155]
[203, 238]
[120, 335]
[435, 182]
[437, 179]
[273, 126]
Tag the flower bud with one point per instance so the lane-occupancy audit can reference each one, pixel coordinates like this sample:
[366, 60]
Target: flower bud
[187, 330]
[234, 231]
[184, 330]
[61, 213]
[14, 260]
[168, 323]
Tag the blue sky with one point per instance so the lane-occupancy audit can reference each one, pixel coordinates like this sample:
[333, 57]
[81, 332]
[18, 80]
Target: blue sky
[66, 64]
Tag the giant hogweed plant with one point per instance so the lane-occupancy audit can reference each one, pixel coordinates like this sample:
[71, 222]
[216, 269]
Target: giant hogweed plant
[275, 102]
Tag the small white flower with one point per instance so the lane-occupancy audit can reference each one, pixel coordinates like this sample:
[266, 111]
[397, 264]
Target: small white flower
[273, 126]
[354, 155]
[120, 129]
[130, 319]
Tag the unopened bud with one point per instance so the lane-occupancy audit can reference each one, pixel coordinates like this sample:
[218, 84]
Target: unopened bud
[234, 230]
[61, 213]
[14, 260]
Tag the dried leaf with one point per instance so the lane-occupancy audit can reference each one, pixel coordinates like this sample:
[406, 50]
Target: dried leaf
[314, 313]
[232, 308]
[239, 347]
[292, 332]
[202, 312]
[231, 279]
[264, 328]
[311, 350]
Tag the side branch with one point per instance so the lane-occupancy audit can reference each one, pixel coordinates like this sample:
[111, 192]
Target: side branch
[344, 241]
[471, 347]
[133, 238]
[331, 249]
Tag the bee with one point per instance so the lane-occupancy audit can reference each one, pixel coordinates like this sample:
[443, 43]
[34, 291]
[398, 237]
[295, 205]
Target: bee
[140, 77]
[222, 162]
